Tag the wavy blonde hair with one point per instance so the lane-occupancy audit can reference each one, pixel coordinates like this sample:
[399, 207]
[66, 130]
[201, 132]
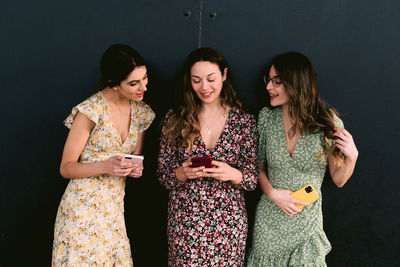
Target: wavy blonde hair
[307, 110]
[181, 124]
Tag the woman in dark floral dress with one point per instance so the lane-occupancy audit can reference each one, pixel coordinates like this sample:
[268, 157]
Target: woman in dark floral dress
[207, 219]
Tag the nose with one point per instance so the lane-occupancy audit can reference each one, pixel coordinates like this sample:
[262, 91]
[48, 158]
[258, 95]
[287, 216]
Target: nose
[204, 85]
[269, 85]
[143, 87]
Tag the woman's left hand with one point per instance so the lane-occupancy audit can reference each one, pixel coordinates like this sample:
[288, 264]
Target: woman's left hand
[223, 172]
[346, 143]
[137, 170]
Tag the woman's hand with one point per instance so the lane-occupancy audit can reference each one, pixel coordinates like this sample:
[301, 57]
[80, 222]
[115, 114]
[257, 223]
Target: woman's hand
[341, 173]
[185, 172]
[137, 170]
[115, 166]
[223, 172]
[285, 201]
[346, 143]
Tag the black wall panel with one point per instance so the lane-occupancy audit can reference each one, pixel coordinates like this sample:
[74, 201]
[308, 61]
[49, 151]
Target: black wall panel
[50, 55]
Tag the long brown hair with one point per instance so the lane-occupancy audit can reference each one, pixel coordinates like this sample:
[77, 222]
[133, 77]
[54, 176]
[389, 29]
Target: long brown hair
[182, 125]
[307, 110]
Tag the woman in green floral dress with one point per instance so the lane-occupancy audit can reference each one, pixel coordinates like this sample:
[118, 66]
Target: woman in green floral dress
[299, 136]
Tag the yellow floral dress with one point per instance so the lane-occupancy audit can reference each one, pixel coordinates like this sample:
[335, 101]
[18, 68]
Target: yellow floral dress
[90, 226]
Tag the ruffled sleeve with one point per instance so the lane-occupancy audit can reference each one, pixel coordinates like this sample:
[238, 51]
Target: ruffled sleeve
[91, 108]
[144, 115]
[262, 126]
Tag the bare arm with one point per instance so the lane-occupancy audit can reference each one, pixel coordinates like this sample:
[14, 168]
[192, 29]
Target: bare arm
[341, 174]
[137, 169]
[281, 198]
[139, 145]
[76, 141]
[263, 180]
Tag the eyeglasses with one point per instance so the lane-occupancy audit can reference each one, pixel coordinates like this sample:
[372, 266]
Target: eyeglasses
[276, 82]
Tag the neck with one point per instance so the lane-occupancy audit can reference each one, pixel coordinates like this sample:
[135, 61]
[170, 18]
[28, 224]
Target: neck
[214, 107]
[114, 97]
[285, 111]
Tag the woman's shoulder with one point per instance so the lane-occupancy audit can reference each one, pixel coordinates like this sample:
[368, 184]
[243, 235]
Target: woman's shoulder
[95, 99]
[267, 113]
[338, 121]
[144, 114]
[92, 107]
[143, 107]
[242, 114]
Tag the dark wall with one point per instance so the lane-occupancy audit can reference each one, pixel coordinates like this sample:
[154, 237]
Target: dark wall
[50, 62]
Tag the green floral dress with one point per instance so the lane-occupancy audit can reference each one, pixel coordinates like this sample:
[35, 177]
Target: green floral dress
[90, 226]
[279, 239]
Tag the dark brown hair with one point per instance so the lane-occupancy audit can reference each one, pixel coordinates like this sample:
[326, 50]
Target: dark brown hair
[307, 110]
[116, 63]
[182, 125]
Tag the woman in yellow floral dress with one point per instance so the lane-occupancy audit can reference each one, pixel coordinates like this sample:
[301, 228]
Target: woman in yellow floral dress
[90, 226]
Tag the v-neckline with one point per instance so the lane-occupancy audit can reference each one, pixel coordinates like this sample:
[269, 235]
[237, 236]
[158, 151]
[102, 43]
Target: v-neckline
[283, 132]
[220, 135]
[122, 142]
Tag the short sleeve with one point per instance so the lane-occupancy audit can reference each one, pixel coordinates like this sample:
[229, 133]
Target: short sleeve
[338, 121]
[91, 108]
[262, 126]
[144, 115]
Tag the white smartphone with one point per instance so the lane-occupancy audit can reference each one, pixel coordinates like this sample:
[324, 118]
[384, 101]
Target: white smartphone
[136, 159]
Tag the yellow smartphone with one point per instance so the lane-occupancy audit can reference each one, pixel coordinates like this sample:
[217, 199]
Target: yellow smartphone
[306, 194]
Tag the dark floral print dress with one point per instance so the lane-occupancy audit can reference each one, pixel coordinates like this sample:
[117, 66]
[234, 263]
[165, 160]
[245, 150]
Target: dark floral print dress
[207, 219]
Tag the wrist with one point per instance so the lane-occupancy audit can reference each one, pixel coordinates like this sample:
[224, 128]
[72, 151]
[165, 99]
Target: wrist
[270, 192]
[351, 159]
[180, 175]
[238, 179]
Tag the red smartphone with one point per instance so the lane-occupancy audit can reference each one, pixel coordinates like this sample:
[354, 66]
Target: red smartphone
[201, 161]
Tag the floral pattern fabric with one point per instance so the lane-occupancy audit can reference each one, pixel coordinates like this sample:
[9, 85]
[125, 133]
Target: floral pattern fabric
[279, 239]
[207, 219]
[90, 226]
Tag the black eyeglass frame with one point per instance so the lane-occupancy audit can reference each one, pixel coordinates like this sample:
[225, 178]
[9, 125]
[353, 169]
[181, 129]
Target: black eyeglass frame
[273, 80]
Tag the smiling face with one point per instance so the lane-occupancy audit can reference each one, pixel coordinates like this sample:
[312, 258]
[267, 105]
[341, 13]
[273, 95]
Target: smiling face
[207, 80]
[277, 92]
[134, 86]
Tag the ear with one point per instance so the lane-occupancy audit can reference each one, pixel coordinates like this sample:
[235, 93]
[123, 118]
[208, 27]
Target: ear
[115, 88]
[225, 74]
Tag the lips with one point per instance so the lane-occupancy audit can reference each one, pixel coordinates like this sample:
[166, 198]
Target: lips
[273, 96]
[206, 95]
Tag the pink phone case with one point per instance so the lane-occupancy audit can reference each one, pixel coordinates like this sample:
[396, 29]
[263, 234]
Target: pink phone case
[136, 159]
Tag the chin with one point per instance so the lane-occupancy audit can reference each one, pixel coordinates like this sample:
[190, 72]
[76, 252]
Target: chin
[135, 98]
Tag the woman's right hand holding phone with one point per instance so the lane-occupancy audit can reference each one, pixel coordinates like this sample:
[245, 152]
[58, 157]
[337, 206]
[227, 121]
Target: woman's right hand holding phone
[185, 171]
[115, 166]
[285, 201]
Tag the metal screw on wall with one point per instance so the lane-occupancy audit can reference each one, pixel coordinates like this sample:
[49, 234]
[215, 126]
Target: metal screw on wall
[187, 13]
[212, 14]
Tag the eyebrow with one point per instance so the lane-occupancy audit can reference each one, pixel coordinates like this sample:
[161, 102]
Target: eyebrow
[207, 75]
[133, 81]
